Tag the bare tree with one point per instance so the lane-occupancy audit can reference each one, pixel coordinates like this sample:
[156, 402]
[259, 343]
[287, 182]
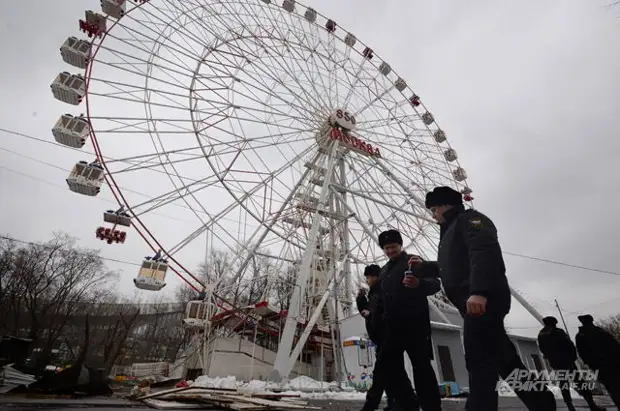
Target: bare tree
[284, 285]
[612, 325]
[11, 288]
[45, 284]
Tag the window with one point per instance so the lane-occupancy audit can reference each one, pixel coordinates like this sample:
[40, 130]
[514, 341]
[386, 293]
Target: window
[363, 354]
[445, 362]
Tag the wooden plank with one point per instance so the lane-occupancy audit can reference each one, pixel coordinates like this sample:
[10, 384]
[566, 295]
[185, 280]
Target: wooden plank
[173, 405]
[160, 393]
[268, 403]
[272, 395]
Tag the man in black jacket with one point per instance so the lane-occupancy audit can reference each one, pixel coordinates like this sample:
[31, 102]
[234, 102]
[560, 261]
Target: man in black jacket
[369, 307]
[560, 351]
[473, 275]
[407, 322]
[601, 352]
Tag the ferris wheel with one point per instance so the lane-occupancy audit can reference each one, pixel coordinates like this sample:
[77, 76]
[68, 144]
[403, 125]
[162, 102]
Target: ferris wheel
[261, 127]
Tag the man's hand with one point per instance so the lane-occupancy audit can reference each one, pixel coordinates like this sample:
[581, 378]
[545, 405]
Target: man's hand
[361, 292]
[476, 305]
[415, 260]
[365, 313]
[411, 281]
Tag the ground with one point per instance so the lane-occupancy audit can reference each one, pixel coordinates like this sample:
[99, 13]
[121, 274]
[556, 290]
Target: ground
[14, 404]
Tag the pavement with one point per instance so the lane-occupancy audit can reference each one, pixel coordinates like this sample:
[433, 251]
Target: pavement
[11, 403]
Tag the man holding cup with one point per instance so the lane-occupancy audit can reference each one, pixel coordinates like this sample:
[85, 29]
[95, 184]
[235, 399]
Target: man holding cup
[404, 292]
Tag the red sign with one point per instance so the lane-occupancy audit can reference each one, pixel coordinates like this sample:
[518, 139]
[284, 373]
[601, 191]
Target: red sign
[354, 143]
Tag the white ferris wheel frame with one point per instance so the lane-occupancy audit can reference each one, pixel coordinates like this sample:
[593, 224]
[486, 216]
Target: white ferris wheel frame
[285, 359]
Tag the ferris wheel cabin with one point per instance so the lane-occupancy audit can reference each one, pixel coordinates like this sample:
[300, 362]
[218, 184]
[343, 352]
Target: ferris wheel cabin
[450, 155]
[459, 174]
[428, 118]
[75, 52]
[86, 178]
[152, 274]
[440, 136]
[196, 314]
[71, 131]
[117, 218]
[114, 8]
[288, 5]
[69, 88]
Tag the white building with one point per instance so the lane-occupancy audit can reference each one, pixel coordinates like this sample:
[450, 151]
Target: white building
[449, 362]
[249, 352]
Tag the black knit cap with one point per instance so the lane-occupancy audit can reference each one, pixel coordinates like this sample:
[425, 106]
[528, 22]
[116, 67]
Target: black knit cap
[390, 237]
[443, 196]
[586, 319]
[372, 270]
[550, 321]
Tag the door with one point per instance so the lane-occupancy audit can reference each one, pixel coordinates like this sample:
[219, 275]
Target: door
[445, 362]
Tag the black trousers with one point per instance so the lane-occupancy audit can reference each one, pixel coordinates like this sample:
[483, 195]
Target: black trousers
[411, 338]
[379, 383]
[570, 367]
[610, 378]
[489, 353]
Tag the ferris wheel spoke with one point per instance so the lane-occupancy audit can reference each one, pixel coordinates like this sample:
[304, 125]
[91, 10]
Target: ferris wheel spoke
[242, 53]
[264, 88]
[172, 196]
[133, 60]
[139, 37]
[239, 202]
[380, 190]
[316, 100]
[303, 40]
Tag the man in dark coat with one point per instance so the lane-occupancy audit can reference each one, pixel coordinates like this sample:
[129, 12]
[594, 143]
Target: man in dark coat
[473, 274]
[407, 322]
[600, 351]
[560, 351]
[369, 307]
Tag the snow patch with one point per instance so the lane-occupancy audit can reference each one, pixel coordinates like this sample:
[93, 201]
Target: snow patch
[205, 381]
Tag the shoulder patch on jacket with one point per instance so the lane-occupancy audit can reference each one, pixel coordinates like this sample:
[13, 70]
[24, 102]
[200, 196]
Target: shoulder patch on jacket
[476, 222]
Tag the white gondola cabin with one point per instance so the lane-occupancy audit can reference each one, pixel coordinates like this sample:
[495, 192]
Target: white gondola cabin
[288, 5]
[330, 26]
[459, 174]
[71, 131]
[310, 14]
[75, 52]
[117, 218]
[385, 68]
[196, 314]
[69, 88]
[86, 178]
[152, 274]
[440, 136]
[428, 118]
[350, 40]
[450, 155]
[114, 8]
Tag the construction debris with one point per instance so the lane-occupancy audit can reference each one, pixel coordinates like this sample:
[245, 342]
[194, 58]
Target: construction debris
[191, 398]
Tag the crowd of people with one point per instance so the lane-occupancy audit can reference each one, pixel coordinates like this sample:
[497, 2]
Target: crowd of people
[471, 269]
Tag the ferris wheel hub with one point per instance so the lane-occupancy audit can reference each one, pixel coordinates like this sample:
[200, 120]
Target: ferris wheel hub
[342, 118]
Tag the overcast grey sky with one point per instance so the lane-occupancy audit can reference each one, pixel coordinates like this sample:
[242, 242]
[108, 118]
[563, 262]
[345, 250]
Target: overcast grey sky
[527, 92]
